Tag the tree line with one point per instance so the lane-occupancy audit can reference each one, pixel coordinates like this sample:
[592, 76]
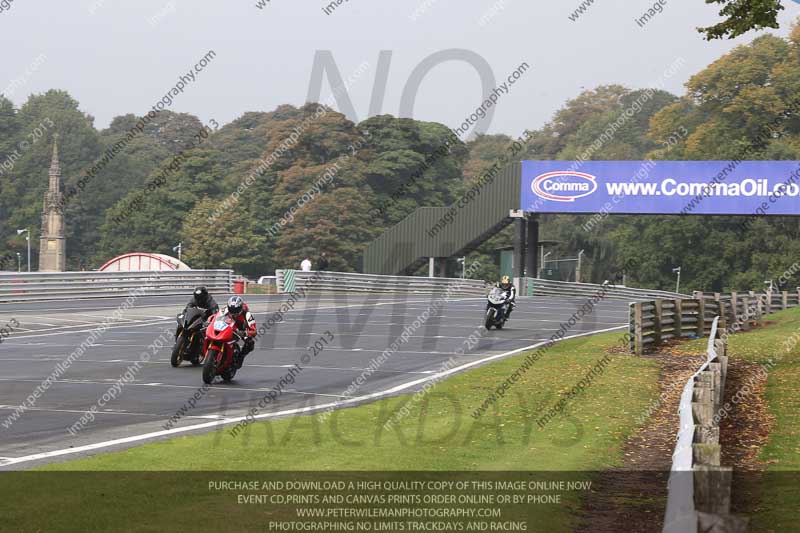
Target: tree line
[721, 116]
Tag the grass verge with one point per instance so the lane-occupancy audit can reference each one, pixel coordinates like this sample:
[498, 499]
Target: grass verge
[777, 348]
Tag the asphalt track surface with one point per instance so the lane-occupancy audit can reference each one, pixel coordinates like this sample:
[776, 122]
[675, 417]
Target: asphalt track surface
[363, 327]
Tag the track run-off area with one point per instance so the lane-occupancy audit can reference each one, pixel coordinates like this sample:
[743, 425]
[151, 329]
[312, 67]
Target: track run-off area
[143, 406]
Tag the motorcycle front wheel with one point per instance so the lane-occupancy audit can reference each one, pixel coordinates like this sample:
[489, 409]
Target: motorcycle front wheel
[196, 347]
[210, 366]
[177, 351]
[489, 318]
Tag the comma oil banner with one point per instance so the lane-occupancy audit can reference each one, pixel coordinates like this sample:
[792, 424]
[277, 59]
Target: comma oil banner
[662, 187]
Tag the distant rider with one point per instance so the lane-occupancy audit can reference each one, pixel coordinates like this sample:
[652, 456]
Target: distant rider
[510, 291]
[245, 323]
[202, 299]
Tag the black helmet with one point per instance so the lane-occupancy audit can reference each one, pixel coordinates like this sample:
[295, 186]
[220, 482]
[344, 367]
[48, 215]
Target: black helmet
[201, 295]
[235, 305]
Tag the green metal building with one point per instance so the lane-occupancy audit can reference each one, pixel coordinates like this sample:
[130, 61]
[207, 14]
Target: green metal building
[434, 234]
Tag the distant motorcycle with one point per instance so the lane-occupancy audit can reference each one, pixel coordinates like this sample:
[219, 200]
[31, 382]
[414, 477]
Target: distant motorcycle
[189, 337]
[221, 348]
[497, 309]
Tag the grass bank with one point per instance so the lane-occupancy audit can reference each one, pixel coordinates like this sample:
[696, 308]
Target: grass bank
[777, 348]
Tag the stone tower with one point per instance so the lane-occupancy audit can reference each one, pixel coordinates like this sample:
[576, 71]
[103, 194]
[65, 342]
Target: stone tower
[52, 245]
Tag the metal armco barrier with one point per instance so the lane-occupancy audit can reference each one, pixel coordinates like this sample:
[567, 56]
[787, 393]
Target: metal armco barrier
[566, 289]
[291, 280]
[699, 488]
[70, 285]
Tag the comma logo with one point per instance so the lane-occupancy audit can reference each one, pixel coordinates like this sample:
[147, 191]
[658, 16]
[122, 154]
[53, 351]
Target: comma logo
[564, 186]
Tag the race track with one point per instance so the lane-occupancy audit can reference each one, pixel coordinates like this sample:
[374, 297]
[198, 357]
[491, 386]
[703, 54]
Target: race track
[363, 327]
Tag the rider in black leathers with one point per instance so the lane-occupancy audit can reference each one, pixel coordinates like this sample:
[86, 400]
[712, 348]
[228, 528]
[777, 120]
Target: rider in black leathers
[202, 299]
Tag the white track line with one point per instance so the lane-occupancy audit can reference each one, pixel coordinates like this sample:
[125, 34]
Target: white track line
[108, 412]
[300, 410]
[107, 381]
[120, 326]
[248, 365]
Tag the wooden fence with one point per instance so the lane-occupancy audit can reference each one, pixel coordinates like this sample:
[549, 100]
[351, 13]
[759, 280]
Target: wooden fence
[654, 322]
[699, 490]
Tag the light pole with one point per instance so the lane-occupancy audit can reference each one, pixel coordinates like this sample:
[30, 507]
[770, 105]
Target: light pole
[677, 270]
[19, 262]
[27, 233]
[178, 249]
[541, 267]
[463, 261]
[578, 268]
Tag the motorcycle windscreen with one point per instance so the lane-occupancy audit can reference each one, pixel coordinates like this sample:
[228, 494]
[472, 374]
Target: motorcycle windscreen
[497, 296]
[221, 323]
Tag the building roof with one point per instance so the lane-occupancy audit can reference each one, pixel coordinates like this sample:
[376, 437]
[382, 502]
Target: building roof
[141, 261]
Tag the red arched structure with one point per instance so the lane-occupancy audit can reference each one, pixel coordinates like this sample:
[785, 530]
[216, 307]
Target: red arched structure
[142, 261]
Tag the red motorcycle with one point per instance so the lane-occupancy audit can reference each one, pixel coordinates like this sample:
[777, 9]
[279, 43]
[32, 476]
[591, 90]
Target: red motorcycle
[220, 348]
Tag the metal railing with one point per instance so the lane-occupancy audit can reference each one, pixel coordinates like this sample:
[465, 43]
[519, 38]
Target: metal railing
[70, 285]
[543, 287]
[290, 280]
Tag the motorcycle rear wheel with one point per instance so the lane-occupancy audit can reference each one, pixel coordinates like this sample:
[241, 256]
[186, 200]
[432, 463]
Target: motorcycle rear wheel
[210, 366]
[228, 375]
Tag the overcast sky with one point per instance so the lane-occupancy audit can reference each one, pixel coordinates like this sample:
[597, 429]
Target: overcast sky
[126, 55]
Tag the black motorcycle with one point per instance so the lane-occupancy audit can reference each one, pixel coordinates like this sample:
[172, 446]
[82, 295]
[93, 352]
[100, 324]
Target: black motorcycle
[497, 309]
[189, 337]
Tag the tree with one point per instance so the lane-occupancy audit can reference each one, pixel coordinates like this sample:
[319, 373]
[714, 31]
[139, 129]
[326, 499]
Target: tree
[336, 223]
[227, 243]
[743, 16]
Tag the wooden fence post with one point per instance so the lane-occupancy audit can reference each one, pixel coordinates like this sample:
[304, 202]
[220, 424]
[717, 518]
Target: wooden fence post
[712, 489]
[637, 324]
[701, 318]
[678, 323]
[658, 315]
[745, 317]
[785, 295]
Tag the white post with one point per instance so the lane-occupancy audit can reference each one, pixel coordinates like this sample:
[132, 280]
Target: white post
[578, 268]
[27, 232]
[541, 262]
[431, 266]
